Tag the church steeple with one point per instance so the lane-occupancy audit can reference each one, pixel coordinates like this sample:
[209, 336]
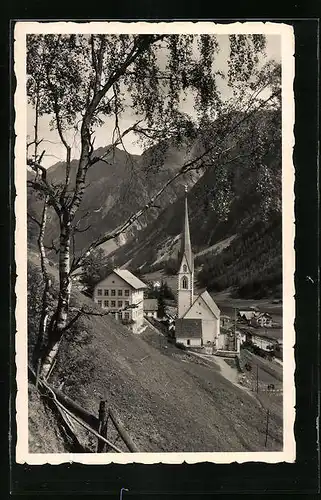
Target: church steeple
[185, 278]
[186, 247]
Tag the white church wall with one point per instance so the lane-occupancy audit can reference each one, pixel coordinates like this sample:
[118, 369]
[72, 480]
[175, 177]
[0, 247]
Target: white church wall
[221, 341]
[190, 342]
[208, 330]
[199, 310]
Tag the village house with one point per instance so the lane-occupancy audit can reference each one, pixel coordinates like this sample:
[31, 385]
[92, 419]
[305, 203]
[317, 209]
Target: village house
[198, 317]
[262, 319]
[150, 308]
[255, 318]
[247, 314]
[259, 338]
[122, 293]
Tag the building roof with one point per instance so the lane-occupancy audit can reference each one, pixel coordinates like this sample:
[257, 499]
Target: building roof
[264, 335]
[210, 303]
[247, 314]
[150, 304]
[269, 333]
[186, 247]
[130, 278]
[188, 328]
[263, 314]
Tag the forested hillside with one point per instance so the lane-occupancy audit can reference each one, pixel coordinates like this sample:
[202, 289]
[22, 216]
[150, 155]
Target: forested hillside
[252, 264]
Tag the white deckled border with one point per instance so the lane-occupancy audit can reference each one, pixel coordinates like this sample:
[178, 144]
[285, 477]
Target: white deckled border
[287, 40]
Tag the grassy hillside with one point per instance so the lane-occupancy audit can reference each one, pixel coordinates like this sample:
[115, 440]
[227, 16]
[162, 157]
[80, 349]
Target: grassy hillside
[167, 400]
[44, 435]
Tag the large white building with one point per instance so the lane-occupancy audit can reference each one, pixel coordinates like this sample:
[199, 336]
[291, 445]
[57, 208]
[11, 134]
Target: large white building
[198, 317]
[122, 294]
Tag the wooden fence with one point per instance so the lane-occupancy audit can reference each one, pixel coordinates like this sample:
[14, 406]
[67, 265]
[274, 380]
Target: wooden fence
[97, 426]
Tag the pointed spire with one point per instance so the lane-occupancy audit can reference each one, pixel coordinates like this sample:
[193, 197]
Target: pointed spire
[186, 248]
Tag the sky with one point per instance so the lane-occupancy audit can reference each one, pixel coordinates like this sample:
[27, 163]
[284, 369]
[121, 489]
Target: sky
[54, 151]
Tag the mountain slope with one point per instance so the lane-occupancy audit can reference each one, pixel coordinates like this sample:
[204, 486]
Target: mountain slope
[236, 209]
[116, 188]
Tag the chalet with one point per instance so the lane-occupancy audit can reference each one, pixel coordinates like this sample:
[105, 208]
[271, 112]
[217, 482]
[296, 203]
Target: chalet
[262, 319]
[198, 317]
[122, 293]
[247, 314]
[150, 308]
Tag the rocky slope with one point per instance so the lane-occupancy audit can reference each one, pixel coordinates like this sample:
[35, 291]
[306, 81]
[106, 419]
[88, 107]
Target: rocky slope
[116, 188]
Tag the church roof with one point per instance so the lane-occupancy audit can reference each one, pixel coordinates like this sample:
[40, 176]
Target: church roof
[130, 278]
[186, 247]
[208, 301]
[188, 328]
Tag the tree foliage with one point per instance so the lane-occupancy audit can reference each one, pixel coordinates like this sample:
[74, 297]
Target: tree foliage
[251, 266]
[96, 267]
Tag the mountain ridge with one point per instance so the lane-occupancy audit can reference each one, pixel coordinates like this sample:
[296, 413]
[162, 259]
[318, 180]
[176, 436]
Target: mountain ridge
[225, 198]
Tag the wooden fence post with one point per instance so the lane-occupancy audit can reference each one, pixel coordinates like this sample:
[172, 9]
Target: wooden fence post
[102, 429]
[122, 431]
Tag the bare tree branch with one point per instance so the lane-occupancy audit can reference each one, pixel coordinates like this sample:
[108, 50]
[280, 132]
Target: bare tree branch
[52, 247]
[34, 219]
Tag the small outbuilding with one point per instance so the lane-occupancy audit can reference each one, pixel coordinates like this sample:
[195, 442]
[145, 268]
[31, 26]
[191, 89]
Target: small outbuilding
[150, 308]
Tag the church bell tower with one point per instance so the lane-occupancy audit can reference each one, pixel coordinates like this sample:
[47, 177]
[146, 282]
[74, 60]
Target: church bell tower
[185, 278]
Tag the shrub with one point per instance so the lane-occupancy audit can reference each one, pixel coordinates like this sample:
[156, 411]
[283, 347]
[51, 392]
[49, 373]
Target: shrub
[180, 346]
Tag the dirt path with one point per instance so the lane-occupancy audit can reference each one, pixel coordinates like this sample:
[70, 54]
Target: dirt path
[226, 371]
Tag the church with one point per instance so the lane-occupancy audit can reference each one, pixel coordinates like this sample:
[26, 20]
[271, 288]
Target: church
[198, 317]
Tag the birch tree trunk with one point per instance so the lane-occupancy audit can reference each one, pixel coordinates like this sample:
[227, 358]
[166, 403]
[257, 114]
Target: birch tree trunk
[45, 295]
[59, 323]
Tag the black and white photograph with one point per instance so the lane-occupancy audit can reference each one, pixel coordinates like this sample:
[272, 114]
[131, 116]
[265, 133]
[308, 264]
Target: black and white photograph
[154, 242]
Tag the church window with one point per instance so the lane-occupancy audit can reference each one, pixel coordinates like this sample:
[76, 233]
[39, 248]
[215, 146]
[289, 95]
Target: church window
[184, 268]
[184, 282]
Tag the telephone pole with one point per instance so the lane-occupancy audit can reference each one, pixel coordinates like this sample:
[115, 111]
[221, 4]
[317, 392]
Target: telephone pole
[267, 426]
